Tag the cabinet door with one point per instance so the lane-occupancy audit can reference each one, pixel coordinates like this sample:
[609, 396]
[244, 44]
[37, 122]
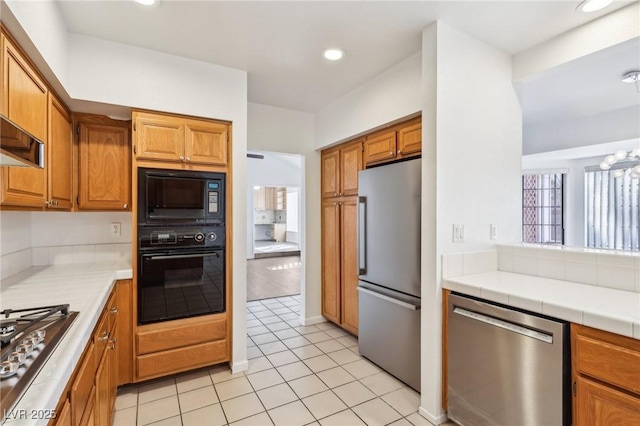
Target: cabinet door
[105, 167]
[349, 266]
[598, 405]
[206, 143]
[331, 260]
[410, 140]
[59, 167]
[124, 332]
[24, 187]
[330, 174]
[259, 202]
[350, 165]
[103, 392]
[63, 418]
[270, 198]
[158, 137]
[380, 147]
[24, 95]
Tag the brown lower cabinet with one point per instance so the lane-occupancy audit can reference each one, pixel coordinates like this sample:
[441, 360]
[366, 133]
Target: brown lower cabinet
[606, 378]
[340, 262]
[91, 393]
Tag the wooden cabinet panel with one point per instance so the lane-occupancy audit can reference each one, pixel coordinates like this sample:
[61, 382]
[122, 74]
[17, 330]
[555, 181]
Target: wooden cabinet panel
[331, 260]
[598, 405]
[105, 168]
[206, 143]
[83, 384]
[610, 363]
[181, 359]
[24, 94]
[410, 140]
[63, 418]
[164, 336]
[380, 147]
[59, 161]
[350, 165]
[159, 137]
[102, 407]
[349, 266]
[124, 331]
[24, 187]
[330, 174]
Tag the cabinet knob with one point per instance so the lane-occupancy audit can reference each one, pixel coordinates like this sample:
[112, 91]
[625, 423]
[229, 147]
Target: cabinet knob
[114, 310]
[390, 153]
[104, 337]
[335, 194]
[125, 206]
[182, 157]
[188, 158]
[335, 204]
[399, 152]
[341, 194]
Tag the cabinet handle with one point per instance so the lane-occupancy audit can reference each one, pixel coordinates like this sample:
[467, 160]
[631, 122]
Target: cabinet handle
[335, 204]
[112, 344]
[104, 337]
[125, 206]
[188, 158]
[47, 203]
[335, 194]
[399, 152]
[114, 310]
[390, 153]
[341, 194]
[182, 157]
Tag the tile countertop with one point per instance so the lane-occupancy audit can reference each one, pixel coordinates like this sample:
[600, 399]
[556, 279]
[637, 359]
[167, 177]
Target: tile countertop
[607, 309]
[85, 287]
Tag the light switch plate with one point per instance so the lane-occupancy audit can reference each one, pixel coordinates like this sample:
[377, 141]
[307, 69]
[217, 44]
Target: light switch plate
[458, 233]
[493, 231]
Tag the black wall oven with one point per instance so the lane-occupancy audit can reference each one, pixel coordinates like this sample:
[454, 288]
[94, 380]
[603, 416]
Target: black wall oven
[181, 244]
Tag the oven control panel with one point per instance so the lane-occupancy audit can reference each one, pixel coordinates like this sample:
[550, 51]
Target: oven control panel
[208, 236]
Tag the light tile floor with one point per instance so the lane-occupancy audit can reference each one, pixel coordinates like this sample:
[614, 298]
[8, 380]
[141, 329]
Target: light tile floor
[297, 376]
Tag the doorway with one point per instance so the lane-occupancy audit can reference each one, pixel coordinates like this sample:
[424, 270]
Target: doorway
[274, 187]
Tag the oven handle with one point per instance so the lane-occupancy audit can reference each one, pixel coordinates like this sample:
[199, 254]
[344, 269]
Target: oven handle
[180, 256]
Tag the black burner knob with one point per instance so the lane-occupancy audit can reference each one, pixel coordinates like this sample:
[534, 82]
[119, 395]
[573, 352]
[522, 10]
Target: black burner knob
[199, 237]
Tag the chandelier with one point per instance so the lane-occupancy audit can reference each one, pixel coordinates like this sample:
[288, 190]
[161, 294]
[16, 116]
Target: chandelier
[631, 161]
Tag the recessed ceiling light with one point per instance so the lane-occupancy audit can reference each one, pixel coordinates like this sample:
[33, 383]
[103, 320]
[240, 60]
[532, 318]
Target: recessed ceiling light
[333, 54]
[146, 2]
[593, 5]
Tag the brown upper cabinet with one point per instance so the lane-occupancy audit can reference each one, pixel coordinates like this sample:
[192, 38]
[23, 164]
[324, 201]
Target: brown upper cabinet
[340, 168]
[400, 141]
[104, 168]
[24, 94]
[169, 138]
[60, 156]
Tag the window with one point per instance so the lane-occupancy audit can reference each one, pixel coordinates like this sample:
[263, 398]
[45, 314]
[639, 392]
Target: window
[612, 209]
[542, 208]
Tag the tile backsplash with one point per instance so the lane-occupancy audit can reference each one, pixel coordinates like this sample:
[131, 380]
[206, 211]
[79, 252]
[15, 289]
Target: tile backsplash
[55, 238]
[265, 217]
[619, 270]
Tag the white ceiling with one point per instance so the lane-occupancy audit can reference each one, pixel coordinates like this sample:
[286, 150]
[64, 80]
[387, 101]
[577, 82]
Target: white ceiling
[280, 43]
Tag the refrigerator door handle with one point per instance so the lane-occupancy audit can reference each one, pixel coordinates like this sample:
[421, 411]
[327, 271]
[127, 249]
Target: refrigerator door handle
[389, 299]
[362, 235]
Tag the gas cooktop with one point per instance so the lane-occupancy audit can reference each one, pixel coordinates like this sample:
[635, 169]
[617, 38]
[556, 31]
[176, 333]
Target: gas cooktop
[27, 338]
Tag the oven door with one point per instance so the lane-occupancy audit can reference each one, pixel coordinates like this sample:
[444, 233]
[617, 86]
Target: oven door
[175, 284]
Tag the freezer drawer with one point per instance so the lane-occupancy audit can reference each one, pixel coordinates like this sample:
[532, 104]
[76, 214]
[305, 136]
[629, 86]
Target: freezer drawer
[389, 332]
[506, 367]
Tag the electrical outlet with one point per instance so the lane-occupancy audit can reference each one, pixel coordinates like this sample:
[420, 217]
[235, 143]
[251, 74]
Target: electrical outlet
[115, 229]
[493, 231]
[458, 233]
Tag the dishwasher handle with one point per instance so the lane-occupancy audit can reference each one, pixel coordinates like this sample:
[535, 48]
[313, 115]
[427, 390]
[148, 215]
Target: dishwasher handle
[495, 322]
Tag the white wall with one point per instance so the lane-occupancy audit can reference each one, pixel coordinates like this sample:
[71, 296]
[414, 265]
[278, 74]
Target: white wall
[276, 170]
[478, 149]
[293, 214]
[15, 238]
[286, 131]
[392, 95]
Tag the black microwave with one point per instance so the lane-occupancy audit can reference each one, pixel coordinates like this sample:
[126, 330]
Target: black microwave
[179, 197]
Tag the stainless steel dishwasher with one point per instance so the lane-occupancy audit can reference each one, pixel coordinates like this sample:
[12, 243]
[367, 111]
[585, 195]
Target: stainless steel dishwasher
[506, 366]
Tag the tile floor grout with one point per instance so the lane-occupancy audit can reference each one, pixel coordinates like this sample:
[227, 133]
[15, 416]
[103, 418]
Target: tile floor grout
[274, 377]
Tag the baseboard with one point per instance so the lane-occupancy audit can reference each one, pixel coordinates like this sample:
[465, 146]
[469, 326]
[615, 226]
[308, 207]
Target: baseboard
[436, 420]
[237, 367]
[312, 320]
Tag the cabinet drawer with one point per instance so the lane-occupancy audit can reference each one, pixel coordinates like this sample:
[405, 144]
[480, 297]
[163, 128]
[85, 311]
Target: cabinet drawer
[101, 335]
[176, 360]
[171, 337]
[609, 358]
[82, 385]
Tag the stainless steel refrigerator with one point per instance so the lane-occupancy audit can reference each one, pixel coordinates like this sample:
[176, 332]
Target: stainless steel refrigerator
[389, 268]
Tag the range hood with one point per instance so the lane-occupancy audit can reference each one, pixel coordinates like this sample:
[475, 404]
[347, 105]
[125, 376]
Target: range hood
[19, 148]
